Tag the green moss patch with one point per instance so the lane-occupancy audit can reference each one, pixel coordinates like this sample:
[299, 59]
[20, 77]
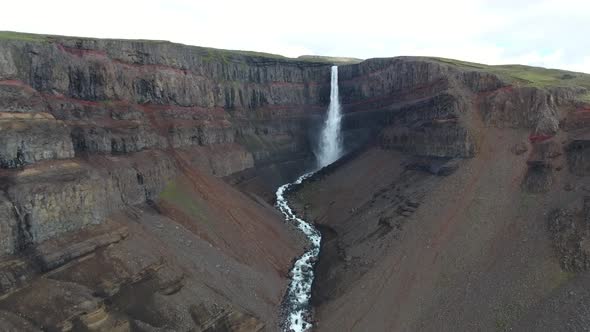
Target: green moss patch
[506, 314]
[559, 279]
[183, 198]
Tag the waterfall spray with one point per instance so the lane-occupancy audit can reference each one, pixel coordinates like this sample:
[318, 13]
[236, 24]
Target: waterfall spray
[330, 148]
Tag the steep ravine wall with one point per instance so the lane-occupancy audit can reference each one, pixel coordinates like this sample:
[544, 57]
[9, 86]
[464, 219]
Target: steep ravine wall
[232, 113]
[430, 108]
[96, 132]
[405, 231]
[66, 98]
[124, 96]
[109, 153]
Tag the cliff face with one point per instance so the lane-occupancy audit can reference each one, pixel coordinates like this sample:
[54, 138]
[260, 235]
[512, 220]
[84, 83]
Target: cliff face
[417, 237]
[124, 96]
[68, 98]
[98, 137]
[111, 154]
[425, 106]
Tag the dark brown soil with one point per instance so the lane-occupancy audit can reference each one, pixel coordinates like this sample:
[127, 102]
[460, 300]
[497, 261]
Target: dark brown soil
[475, 255]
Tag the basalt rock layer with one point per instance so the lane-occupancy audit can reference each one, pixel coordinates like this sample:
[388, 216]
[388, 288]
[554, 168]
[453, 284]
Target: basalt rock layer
[111, 208]
[477, 220]
[117, 160]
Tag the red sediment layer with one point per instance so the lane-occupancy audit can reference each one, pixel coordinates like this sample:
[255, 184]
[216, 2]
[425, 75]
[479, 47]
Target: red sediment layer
[290, 84]
[14, 83]
[18, 83]
[375, 103]
[186, 109]
[214, 112]
[79, 52]
[539, 138]
[582, 111]
[292, 107]
[507, 88]
[481, 95]
[152, 67]
[365, 76]
[206, 112]
[60, 97]
[124, 103]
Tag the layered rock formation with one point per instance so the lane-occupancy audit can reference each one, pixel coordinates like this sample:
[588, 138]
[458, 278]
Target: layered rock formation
[111, 154]
[422, 238]
[108, 154]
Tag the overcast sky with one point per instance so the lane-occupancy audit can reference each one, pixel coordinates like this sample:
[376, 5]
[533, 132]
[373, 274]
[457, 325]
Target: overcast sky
[552, 33]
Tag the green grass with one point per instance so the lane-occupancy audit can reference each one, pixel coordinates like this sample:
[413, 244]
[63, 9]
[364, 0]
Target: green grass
[543, 77]
[507, 314]
[460, 63]
[528, 76]
[329, 59]
[180, 197]
[208, 53]
[559, 279]
[11, 35]
[221, 53]
[211, 54]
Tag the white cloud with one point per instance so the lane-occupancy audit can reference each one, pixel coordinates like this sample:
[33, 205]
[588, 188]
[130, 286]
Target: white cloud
[582, 66]
[547, 33]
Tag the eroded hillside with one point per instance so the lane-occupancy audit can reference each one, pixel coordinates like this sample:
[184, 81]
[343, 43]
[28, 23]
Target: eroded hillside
[113, 215]
[137, 181]
[469, 209]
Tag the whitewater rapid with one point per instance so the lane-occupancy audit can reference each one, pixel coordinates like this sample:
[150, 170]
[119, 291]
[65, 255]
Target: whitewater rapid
[297, 306]
[297, 300]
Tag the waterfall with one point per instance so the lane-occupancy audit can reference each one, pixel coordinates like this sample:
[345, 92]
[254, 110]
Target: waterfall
[297, 308]
[330, 147]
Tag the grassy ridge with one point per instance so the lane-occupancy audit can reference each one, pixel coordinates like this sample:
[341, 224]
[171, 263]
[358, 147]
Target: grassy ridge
[208, 53]
[11, 35]
[330, 59]
[528, 76]
[516, 74]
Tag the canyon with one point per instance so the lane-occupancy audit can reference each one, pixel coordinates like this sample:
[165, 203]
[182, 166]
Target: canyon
[138, 184]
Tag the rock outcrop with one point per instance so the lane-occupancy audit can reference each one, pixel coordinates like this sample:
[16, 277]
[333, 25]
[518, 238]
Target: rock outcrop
[125, 96]
[570, 232]
[447, 232]
[111, 154]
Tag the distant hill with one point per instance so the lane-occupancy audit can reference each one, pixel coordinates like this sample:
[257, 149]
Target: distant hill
[333, 59]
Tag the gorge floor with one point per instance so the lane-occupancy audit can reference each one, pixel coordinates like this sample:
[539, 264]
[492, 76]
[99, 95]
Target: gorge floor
[408, 250]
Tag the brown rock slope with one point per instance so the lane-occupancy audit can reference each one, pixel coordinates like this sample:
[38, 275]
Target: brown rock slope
[419, 238]
[198, 254]
[112, 213]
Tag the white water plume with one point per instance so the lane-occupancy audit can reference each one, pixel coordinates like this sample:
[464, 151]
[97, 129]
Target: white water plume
[330, 147]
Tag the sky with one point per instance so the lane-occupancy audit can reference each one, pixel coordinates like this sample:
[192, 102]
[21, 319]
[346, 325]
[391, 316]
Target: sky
[550, 33]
